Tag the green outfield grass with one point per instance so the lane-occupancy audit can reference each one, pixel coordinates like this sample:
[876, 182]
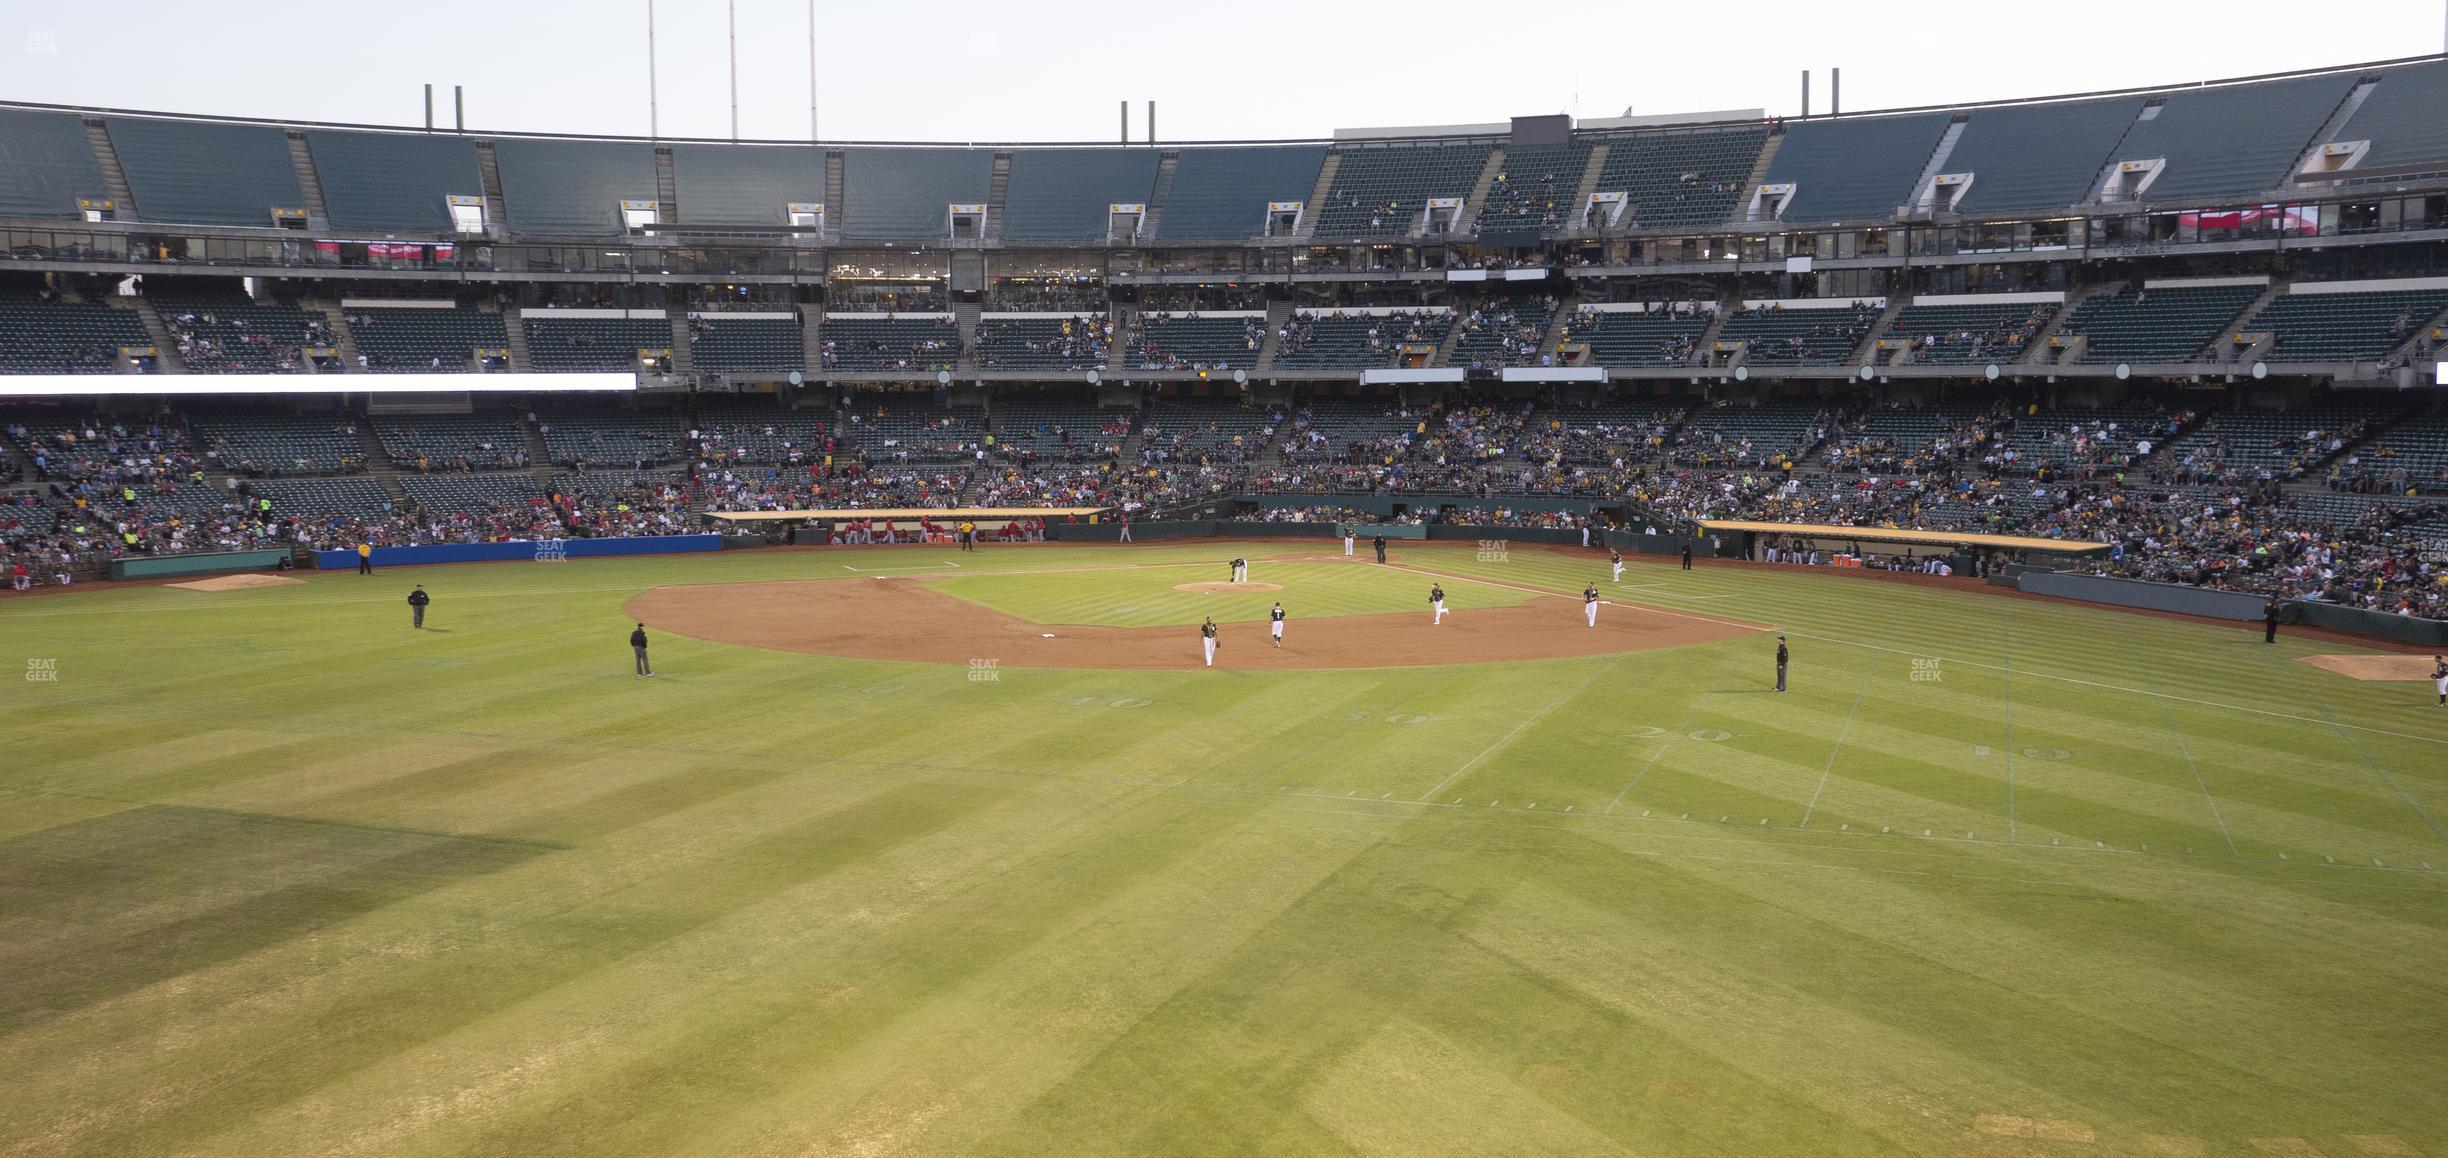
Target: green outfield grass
[280, 876]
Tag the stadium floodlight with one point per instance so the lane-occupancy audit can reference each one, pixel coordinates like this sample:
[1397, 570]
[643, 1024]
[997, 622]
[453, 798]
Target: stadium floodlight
[155, 385]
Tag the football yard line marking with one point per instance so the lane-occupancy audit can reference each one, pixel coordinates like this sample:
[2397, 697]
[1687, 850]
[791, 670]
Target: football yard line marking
[2143, 665]
[1519, 728]
[1845, 729]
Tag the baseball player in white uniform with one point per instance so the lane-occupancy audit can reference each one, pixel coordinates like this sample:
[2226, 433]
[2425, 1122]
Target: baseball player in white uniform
[1240, 570]
[1436, 599]
[1207, 639]
[1350, 541]
[1275, 623]
[1589, 604]
[1616, 557]
[2439, 678]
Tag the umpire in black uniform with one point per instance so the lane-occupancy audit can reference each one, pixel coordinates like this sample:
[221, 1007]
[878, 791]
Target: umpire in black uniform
[1687, 556]
[2269, 621]
[1379, 543]
[637, 643]
[417, 600]
[1780, 663]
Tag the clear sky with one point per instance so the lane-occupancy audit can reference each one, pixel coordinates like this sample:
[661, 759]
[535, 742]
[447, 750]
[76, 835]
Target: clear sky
[1034, 70]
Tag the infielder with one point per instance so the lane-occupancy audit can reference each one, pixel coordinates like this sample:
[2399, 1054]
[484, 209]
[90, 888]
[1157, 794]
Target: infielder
[1589, 603]
[1275, 623]
[1350, 541]
[1436, 599]
[1207, 639]
[1240, 572]
[2439, 678]
[1616, 558]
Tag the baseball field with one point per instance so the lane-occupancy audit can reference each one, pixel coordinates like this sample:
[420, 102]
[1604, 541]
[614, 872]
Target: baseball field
[915, 852]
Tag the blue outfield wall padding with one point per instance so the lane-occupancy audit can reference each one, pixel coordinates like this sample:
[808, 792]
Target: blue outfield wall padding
[546, 549]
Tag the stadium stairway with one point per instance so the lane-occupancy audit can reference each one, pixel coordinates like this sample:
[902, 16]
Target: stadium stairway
[1125, 335]
[1278, 315]
[488, 171]
[516, 331]
[2431, 335]
[1452, 338]
[1316, 204]
[1716, 329]
[114, 178]
[1867, 353]
[965, 319]
[335, 322]
[1148, 221]
[163, 340]
[834, 167]
[1587, 186]
[996, 191]
[378, 461]
[684, 346]
[667, 201]
[1557, 326]
[2039, 352]
[1466, 222]
[2230, 346]
[1759, 171]
[539, 453]
[811, 317]
[309, 184]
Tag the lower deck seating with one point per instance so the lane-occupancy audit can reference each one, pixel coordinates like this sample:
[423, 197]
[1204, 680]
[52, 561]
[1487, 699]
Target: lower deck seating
[458, 492]
[1354, 341]
[1623, 338]
[593, 344]
[259, 443]
[722, 344]
[618, 438]
[1075, 343]
[2166, 324]
[921, 343]
[220, 335]
[1206, 342]
[61, 337]
[440, 442]
[2345, 327]
[347, 496]
[1956, 335]
[411, 340]
[1800, 337]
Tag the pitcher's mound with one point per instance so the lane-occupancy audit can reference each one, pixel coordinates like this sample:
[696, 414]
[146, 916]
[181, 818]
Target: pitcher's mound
[2375, 667]
[236, 582]
[1225, 588]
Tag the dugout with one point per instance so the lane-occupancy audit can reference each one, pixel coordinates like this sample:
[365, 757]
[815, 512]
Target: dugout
[1873, 546]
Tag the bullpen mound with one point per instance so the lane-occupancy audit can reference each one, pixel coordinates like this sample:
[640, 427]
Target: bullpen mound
[904, 619]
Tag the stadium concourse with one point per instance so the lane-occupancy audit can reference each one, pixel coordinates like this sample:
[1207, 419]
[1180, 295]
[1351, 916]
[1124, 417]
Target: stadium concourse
[2202, 325]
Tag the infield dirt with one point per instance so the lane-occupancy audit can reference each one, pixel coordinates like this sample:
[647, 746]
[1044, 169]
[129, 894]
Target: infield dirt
[904, 619]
